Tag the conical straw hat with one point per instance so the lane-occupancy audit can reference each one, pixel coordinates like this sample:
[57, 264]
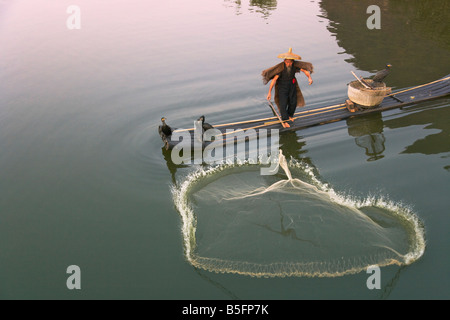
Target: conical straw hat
[289, 55]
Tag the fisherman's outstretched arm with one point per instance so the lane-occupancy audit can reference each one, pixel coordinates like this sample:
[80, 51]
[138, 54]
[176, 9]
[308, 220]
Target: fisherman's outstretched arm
[274, 80]
[308, 75]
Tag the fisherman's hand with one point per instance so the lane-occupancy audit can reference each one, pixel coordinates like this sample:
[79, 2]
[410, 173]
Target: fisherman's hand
[310, 81]
[269, 96]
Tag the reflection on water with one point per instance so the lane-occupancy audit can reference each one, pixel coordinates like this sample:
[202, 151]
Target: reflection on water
[171, 166]
[292, 145]
[368, 129]
[414, 37]
[262, 7]
[368, 133]
[430, 118]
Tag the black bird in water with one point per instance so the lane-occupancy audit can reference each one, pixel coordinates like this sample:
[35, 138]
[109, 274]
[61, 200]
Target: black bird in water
[380, 75]
[205, 126]
[164, 128]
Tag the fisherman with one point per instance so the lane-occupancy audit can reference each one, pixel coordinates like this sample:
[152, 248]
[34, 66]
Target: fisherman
[288, 95]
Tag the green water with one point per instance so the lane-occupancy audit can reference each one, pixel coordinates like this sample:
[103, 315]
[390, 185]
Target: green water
[85, 181]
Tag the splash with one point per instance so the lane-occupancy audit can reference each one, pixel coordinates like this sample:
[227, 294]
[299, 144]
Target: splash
[237, 221]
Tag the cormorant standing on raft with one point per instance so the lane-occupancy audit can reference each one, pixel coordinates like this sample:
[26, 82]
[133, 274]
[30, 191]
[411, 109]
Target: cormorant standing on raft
[380, 75]
[205, 126]
[164, 128]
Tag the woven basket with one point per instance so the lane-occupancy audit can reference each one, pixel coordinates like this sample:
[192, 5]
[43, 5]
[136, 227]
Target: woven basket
[365, 97]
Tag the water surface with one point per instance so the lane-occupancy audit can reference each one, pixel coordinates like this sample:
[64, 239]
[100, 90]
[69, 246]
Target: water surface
[85, 180]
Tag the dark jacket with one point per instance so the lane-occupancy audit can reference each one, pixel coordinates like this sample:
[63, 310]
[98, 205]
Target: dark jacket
[270, 73]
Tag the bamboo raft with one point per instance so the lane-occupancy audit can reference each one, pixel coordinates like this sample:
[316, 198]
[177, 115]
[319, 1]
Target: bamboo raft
[309, 117]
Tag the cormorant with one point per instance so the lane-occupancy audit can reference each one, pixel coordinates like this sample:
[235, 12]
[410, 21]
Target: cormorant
[380, 75]
[206, 126]
[164, 128]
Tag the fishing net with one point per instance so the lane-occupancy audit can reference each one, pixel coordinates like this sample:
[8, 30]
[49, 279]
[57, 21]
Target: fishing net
[237, 221]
